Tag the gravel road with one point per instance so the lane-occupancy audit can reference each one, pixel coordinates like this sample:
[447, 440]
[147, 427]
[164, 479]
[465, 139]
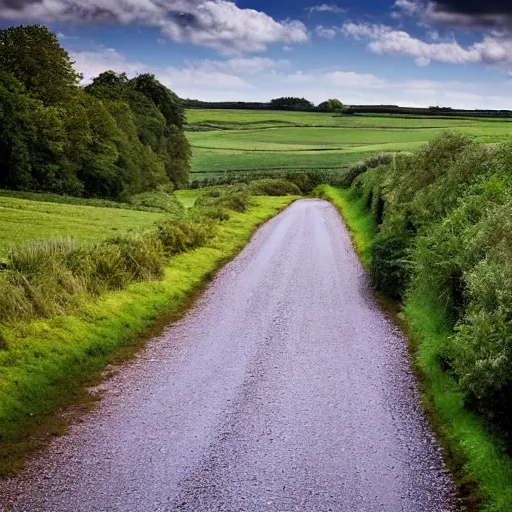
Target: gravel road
[283, 389]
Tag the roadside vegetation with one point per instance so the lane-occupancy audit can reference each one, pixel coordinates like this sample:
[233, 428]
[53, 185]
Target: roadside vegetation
[434, 229]
[91, 220]
[69, 307]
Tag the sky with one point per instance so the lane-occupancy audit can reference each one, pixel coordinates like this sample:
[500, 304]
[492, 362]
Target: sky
[449, 53]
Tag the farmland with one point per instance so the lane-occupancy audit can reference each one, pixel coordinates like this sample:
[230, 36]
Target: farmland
[22, 220]
[245, 140]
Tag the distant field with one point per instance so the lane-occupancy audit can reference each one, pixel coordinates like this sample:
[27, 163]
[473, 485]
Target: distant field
[22, 220]
[245, 140]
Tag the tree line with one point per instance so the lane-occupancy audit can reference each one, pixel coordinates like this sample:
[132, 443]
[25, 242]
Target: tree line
[112, 139]
[283, 103]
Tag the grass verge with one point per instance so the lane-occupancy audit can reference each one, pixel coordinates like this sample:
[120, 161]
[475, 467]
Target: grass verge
[481, 467]
[359, 219]
[45, 364]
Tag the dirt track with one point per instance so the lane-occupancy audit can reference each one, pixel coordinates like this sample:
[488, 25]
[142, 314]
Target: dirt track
[284, 389]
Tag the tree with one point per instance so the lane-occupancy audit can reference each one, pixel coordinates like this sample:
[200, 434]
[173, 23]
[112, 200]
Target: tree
[34, 56]
[32, 142]
[332, 105]
[167, 102]
[290, 103]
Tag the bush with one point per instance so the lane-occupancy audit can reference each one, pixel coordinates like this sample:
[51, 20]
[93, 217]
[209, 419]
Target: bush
[217, 213]
[359, 168]
[232, 200]
[445, 217]
[183, 235]
[157, 200]
[273, 187]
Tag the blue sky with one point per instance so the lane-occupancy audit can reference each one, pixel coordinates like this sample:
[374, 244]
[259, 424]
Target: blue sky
[410, 52]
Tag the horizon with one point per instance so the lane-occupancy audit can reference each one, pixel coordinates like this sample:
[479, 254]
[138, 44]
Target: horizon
[411, 53]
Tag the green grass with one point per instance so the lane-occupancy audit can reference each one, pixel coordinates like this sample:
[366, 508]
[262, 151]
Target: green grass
[479, 462]
[248, 140]
[358, 218]
[188, 197]
[22, 220]
[44, 363]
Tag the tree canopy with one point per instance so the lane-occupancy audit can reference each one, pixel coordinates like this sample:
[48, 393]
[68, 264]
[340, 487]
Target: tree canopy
[332, 105]
[290, 103]
[115, 137]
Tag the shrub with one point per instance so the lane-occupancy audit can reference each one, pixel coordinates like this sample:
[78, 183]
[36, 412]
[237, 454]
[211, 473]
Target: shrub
[359, 168]
[159, 200]
[217, 213]
[236, 201]
[183, 235]
[273, 187]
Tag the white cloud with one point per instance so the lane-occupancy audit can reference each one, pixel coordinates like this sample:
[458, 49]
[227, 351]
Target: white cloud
[219, 24]
[352, 79]
[299, 78]
[326, 8]
[197, 76]
[410, 7]
[383, 39]
[237, 80]
[326, 32]
[242, 65]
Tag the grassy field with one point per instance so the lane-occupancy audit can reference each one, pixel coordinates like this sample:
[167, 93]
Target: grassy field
[44, 363]
[22, 220]
[247, 140]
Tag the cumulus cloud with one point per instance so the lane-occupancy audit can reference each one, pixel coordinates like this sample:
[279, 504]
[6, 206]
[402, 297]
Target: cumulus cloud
[492, 14]
[326, 32]
[492, 49]
[219, 24]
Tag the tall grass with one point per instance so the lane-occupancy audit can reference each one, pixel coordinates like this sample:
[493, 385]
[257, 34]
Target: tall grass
[45, 361]
[47, 277]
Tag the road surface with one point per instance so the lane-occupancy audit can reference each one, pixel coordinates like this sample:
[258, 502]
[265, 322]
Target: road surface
[283, 389]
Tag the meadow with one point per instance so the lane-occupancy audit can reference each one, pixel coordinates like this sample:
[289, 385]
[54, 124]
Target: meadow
[226, 141]
[22, 220]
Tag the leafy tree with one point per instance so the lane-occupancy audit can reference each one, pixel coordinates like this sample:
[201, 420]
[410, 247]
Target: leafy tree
[32, 141]
[34, 56]
[290, 103]
[332, 105]
[114, 138]
[166, 101]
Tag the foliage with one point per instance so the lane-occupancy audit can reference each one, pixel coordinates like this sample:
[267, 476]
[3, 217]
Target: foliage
[116, 138]
[157, 200]
[273, 187]
[290, 103]
[33, 55]
[445, 233]
[45, 363]
[331, 105]
[234, 199]
[480, 464]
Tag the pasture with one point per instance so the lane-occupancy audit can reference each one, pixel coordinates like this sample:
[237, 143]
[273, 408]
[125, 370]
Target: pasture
[22, 220]
[249, 140]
